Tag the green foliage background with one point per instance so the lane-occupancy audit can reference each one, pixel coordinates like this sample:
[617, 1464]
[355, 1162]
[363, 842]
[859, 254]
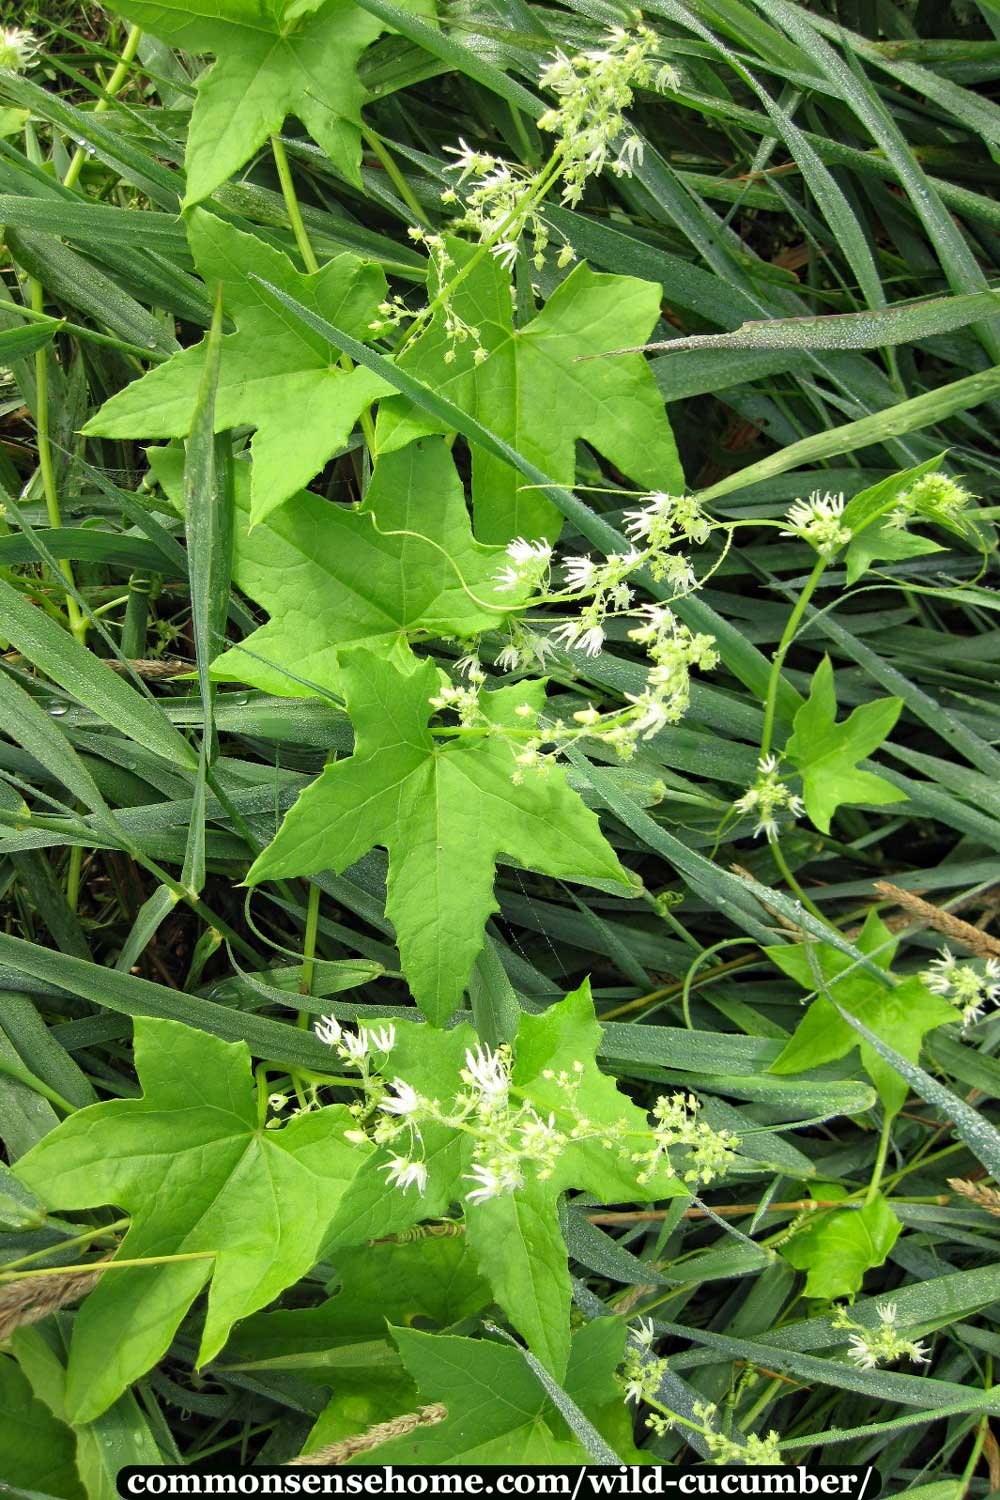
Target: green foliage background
[168, 693]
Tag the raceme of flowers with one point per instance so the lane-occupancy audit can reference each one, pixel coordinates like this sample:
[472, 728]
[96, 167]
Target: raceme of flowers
[594, 89]
[641, 1377]
[501, 201]
[510, 1139]
[599, 590]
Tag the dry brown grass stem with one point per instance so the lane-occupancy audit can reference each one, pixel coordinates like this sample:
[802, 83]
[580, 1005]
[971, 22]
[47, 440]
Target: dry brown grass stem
[362, 1442]
[32, 1299]
[978, 943]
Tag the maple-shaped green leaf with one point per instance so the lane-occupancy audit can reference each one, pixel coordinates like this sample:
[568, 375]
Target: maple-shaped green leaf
[189, 1162]
[837, 1247]
[273, 58]
[498, 1412]
[446, 810]
[826, 753]
[402, 566]
[344, 1343]
[434, 1279]
[275, 374]
[532, 392]
[900, 1013]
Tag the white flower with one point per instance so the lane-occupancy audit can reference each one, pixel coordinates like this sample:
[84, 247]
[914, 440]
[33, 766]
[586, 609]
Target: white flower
[492, 1182]
[766, 795]
[406, 1099]
[528, 564]
[354, 1045]
[860, 1354]
[868, 1348]
[961, 985]
[470, 163]
[521, 551]
[506, 253]
[488, 1073]
[328, 1029]
[643, 1334]
[509, 659]
[586, 638]
[470, 666]
[580, 571]
[403, 1173]
[384, 1038]
[630, 154]
[17, 48]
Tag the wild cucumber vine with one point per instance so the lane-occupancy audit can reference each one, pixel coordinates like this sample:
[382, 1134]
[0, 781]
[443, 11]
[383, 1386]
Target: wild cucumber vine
[439, 636]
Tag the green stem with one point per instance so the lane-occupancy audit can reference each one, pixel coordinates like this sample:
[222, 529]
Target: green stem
[292, 204]
[778, 660]
[395, 176]
[307, 252]
[78, 624]
[78, 1239]
[77, 621]
[260, 1079]
[760, 1405]
[545, 181]
[309, 948]
[879, 1167]
[793, 884]
[115, 82]
[16, 1070]
[109, 1265]
[141, 351]
[306, 981]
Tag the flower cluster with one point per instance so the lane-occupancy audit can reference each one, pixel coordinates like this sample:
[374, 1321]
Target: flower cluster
[594, 89]
[460, 699]
[642, 1372]
[674, 651]
[962, 985]
[17, 48]
[457, 330]
[819, 521]
[502, 204]
[664, 521]
[510, 1138]
[503, 200]
[600, 589]
[676, 1123]
[871, 1347]
[527, 568]
[933, 497]
[356, 1047]
[767, 795]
